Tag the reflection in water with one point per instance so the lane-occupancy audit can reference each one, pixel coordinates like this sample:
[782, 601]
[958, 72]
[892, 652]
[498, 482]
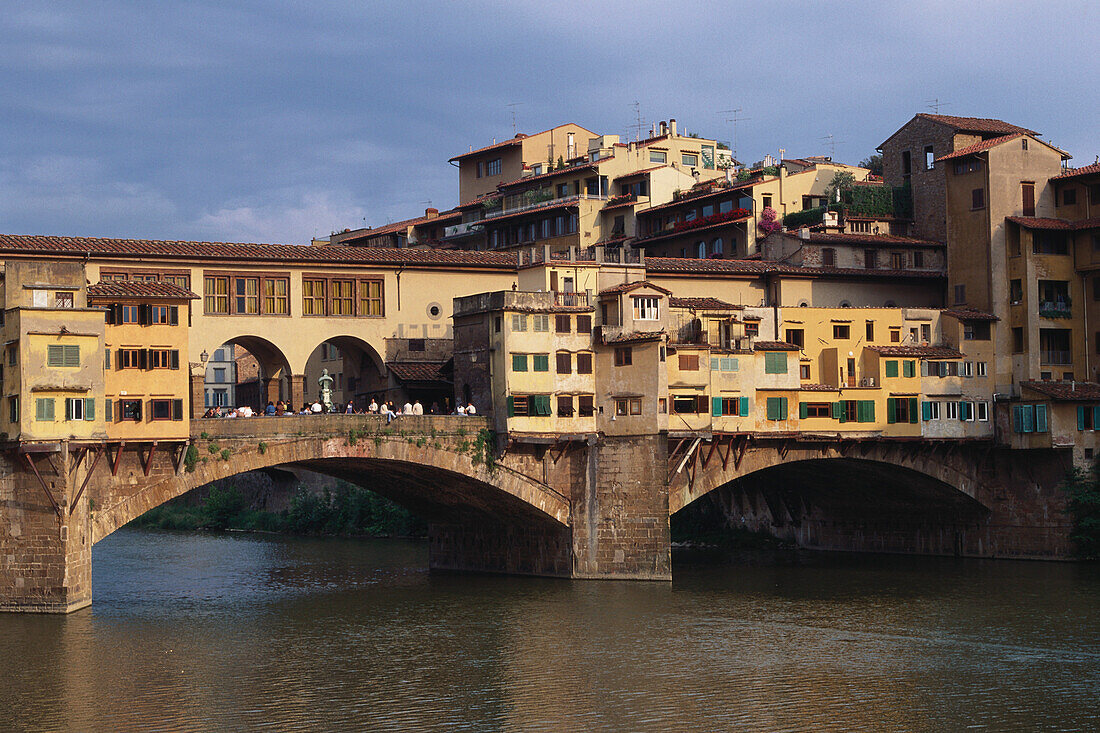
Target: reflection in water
[208, 632]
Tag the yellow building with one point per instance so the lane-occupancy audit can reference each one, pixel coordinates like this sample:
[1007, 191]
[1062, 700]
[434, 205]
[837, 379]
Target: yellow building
[53, 354]
[147, 381]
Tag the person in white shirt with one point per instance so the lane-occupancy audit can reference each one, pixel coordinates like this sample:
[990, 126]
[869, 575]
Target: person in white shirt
[460, 410]
[316, 408]
[372, 407]
[418, 409]
[407, 409]
[470, 409]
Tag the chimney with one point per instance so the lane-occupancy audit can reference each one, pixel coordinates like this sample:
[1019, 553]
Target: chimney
[431, 213]
[664, 128]
[672, 126]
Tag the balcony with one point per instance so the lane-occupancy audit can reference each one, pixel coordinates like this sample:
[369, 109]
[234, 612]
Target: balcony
[1056, 358]
[533, 205]
[1057, 309]
[571, 299]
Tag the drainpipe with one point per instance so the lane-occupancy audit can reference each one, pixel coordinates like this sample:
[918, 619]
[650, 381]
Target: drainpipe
[1085, 315]
[398, 274]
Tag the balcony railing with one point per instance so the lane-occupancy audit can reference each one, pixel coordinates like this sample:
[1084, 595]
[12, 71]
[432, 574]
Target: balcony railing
[1056, 358]
[1055, 310]
[570, 299]
[494, 213]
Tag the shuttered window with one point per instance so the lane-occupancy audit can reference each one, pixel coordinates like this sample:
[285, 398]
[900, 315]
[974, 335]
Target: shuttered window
[62, 355]
[775, 362]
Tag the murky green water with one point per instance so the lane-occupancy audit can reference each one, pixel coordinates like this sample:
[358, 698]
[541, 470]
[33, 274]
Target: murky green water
[206, 632]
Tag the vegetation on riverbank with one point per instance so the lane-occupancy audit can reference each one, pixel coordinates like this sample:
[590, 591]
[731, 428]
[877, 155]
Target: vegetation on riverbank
[347, 511]
[703, 527]
[1083, 508]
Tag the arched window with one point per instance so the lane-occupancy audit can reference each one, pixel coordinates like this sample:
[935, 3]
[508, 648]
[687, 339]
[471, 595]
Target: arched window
[845, 304]
[803, 304]
[701, 250]
[716, 246]
[891, 304]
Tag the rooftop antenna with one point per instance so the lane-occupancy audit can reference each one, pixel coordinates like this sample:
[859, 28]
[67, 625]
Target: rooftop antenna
[832, 143]
[935, 104]
[513, 106]
[734, 119]
[639, 123]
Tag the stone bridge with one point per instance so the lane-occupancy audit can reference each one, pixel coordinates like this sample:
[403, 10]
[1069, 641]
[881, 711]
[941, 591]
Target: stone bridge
[576, 507]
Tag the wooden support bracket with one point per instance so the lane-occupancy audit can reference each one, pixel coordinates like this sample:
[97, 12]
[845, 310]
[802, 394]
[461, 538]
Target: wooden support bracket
[87, 477]
[741, 447]
[117, 461]
[147, 461]
[45, 488]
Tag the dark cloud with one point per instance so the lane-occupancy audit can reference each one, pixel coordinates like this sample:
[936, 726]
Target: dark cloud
[284, 120]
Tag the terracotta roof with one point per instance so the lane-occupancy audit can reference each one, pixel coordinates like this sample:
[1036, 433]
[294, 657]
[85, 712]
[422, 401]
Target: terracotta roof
[922, 352]
[627, 287]
[556, 172]
[114, 248]
[969, 314]
[646, 241]
[398, 226]
[417, 371]
[642, 172]
[684, 264]
[701, 304]
[1086, 170]
[136, 289]
[737, 185]
[504, 144]
[979, 147]
[977, 124]
[1039, 222]
[1089, 391]
[870, 239]
[818, 388]
[775, 346]
[634, 337]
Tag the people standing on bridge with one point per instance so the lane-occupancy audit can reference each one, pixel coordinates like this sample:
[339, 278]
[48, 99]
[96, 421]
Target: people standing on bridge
[270, 410]
[350, 409]
[417, 408]
[316, 407]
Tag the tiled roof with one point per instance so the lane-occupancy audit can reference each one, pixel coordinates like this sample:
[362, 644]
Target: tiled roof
[136, 289]
[1089, 391]
[969, 314]
[551, 174]
[283, 253]
[775, 346]
[979, 147]
[701, 303]
[627, 287]
[634, 337]
[922, 352]
[699, 197]
[399, 226]
[1040, 222]
[674, 265]
[642, 172]
[1086, 170]
[871, 239]
[977, 124]
[818, 388]
[646, 241]
[417, 371]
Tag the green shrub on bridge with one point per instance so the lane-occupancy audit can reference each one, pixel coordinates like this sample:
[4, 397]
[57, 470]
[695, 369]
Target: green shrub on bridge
[1083, 507]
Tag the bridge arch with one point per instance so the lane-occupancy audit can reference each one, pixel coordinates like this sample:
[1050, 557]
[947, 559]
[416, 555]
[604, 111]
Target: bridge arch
[440, 478]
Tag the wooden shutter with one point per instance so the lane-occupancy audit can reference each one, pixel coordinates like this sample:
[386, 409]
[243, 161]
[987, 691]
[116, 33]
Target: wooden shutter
[716, 406]
[913, 410]
[803, 410]
[89, 409]
[173, 315]
[175, 358]
[926, 411]
[177, 409]
[891, 368]
[511, 406]
[144, 314]
[1041, 424]
[744, 407]
[143, 358]
[891, 410]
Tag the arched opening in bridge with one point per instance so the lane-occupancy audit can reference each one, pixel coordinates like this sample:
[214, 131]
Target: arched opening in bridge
[357, 369]
[838, 504]
[244, 371]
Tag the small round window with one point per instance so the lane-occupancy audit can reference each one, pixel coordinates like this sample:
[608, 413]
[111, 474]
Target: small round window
[435, 311]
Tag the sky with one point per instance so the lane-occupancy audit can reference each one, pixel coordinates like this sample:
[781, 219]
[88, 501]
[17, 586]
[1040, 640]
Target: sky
[280, 121]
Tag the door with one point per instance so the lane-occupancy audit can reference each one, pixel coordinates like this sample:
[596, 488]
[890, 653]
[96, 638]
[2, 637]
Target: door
[1028, 189]
[851, 372]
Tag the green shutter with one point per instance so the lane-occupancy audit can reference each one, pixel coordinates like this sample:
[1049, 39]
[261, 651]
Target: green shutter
[786, 413]
[926, 411]
[867, 410]
[1081, 417]
[177, 409]
[913, 410]
[89, 408]
[1028, 412]
[68, 409]
[838, 411]
[108, 410]
[803, 410]
[1017, 419]
[716, 406]
[72, 356]
[1041, 425]
[891, 410]
[744, 406]
[540, 362]
[55, 356]
[43, 409]
[733, 364]
[714, 364]
[511, 406]
[962, 411]
[891, 368]
[772, 408]
[909, 368]
[519, 362]
[1096, 418]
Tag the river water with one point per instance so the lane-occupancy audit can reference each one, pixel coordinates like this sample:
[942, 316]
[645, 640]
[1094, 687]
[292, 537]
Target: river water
[249, 632]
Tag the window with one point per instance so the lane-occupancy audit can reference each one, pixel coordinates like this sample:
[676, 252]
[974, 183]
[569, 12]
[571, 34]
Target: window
[1069, 198]
[689, 362]
[584, 324]
[870, 331]
[246, 295]
[219, 375]
[689, 159]
[130, 314]
[982, 410]
[901, 409]
[977, 199]
[658, 156]
[623, 356]
[129, 358]
[952, 411]
[79, 408]
[890, 368]
[752, 328]
[1027, 196]
[1048, 243]
[561, 323]
[313, 297]
[897, 260]
[796, 336]
[931, 410]
[43, 409]
[767, 201]
[976, 331]
[817, 409]
[584, 362]
[540, 362]
[62, 355]
[215, 296]
[1018, 340]
[342, 297]
[564, 362]
[960, 294]
[895, 335]
[929, 158]
[870, 259]
[586, 405]
[981, 368]
[416, 345]
[804, 371]
[628, 406]
[492, 167]
[646, 308]
[540, 322]
[842, 331]
[160, 409]
[918, 260]
[565, 405]
[701, 250]
[828, 257]
[777, 408]
[906, 163]
[519, 322]
[775, 362]
[968, 369]
[1015, 291]
[13, 409]
[1030, 419]
[519, 362]
[62, 300]
[689, 404]
[164, 359]
[480, 169]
